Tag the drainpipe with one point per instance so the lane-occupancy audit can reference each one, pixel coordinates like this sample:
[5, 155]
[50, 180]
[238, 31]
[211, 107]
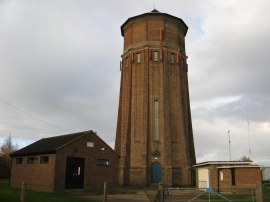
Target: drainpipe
[218, 179]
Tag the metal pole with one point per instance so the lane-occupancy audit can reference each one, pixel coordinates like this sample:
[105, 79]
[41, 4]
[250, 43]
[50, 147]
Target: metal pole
[229, 145]
[249, 149]
[209, 187]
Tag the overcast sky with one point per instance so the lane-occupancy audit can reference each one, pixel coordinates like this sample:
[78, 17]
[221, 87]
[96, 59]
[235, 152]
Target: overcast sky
[59, 70]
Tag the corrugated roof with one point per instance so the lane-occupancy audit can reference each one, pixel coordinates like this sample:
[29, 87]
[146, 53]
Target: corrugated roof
[49, 145]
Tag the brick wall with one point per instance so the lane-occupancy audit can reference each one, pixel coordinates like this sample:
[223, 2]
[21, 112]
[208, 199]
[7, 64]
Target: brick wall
[221, 179]
[36, 176]
[94, 176]
[51, 176]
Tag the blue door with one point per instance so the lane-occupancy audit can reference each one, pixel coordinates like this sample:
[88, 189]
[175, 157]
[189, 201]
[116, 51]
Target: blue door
[155, 172]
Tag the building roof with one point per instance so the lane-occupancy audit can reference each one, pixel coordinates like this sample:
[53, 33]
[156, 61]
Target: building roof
[224, 163]
[51, 145]
[152, 13]
[240, 166]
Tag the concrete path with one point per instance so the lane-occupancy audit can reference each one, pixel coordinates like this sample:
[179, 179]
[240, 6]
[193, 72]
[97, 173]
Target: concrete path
[136, 197]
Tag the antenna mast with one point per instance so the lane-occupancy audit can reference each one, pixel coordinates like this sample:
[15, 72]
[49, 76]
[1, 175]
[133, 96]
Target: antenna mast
[229, 145]
[249, 149]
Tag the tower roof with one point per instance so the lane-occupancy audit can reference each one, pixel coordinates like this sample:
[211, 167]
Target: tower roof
[154, 12]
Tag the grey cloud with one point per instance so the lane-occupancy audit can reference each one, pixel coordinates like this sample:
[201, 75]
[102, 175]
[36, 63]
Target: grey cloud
[59, 60]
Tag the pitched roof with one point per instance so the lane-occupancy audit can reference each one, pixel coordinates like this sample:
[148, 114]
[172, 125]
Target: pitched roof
[49, 145]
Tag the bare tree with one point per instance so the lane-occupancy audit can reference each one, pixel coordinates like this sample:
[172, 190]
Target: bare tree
[5, 161]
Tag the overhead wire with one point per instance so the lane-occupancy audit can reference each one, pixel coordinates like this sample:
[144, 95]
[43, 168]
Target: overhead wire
[32, 116]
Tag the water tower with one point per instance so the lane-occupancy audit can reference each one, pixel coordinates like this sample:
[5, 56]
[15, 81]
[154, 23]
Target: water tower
[154, 131]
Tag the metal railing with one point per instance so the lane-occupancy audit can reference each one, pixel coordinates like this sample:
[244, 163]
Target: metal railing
[239, 194]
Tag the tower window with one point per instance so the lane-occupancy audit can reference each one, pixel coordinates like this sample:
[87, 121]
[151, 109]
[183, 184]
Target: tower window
[138, 58]
[156, 56]
[172, 58]
[156, 118]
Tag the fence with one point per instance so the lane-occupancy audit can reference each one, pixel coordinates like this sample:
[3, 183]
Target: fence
[239, 194]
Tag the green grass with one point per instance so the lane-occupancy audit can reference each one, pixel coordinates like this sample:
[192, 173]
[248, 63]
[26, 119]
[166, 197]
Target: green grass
[228, 196]
[266, 192]
[8, 194]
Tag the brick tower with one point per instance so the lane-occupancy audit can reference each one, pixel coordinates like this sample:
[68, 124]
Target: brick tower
[154, 131]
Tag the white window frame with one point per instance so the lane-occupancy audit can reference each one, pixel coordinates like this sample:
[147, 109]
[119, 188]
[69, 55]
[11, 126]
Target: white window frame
[155, 56]
[138, 58]
[172, 58]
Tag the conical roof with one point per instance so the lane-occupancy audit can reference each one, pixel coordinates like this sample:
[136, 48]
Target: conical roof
[154, 12]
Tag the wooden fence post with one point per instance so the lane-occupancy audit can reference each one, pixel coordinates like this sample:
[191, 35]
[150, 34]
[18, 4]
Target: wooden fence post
[161, 191]
[23, 192]
[105, 192]
[259, 195]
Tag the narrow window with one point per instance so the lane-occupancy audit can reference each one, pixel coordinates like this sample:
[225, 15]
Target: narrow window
[233, 176]
[103, 162]
[156, 117]
[172, 58]
[19, 160]
[44, 159]
[132, 57]
[126, 62]
[156, 56]
[138, 58]
[221, 175]
[31, 160]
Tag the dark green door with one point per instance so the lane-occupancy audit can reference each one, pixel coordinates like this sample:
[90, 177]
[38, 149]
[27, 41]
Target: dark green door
[155, 172]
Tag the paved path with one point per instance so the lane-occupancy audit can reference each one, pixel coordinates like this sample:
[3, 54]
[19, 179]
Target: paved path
[136, 197]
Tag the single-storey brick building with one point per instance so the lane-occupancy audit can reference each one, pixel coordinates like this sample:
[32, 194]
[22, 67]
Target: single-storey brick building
[74, 161]
[227, 176]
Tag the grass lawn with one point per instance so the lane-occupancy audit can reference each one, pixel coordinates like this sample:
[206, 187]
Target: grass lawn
[228, 196]
[266, 192]
[8, 194]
